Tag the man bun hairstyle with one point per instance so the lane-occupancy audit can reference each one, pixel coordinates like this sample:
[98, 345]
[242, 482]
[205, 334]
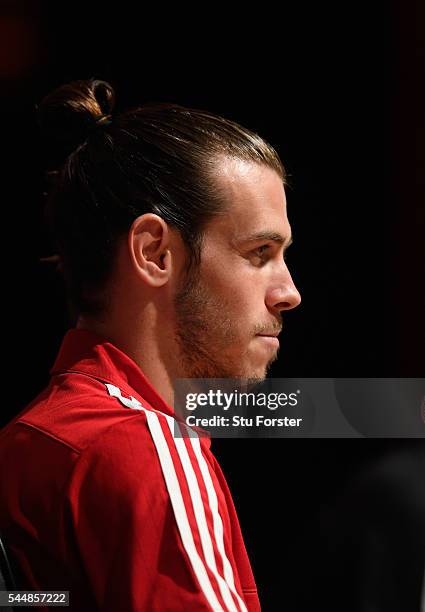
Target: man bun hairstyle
[110, 169]
[69, 114]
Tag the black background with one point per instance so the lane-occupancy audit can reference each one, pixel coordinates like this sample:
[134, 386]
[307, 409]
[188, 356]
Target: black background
[338, 88]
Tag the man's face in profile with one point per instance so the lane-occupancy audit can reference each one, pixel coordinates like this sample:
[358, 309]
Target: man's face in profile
[229, 312]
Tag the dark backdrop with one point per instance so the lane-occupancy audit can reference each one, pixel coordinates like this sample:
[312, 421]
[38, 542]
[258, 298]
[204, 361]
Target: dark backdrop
[338, 88]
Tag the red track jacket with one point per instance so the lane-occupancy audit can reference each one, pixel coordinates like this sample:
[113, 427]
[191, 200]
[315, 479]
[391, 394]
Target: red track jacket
[98, 497]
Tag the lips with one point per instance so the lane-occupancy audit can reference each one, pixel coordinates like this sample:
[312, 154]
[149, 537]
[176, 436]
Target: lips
[270, 339]
[271, 334]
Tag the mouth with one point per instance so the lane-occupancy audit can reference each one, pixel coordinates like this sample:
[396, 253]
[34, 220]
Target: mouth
[271, 335]
[271, 339]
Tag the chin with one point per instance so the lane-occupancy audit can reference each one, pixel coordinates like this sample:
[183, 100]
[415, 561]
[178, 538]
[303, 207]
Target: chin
[260, 368]
[258, 373]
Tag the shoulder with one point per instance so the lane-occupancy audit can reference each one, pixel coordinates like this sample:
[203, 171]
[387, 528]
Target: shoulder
[120, 464]
[78, 410]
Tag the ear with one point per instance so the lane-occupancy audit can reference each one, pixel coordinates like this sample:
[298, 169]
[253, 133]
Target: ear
[148, 243]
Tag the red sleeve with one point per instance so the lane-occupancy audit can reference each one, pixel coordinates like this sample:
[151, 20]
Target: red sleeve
[120, 517]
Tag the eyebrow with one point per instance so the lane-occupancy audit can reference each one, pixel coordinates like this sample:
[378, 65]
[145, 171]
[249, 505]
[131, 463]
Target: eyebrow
[267, 235]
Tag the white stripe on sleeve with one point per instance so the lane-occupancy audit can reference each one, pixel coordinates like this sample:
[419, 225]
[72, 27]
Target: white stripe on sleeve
[180, 514]
[218, 523]
[201, 520]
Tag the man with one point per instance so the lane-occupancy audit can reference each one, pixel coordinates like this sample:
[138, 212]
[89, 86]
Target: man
[98, 496]
[223, 321]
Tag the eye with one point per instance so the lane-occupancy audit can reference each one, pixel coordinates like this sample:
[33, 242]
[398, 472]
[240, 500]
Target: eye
[261, 250]
[260, 254]
[263, 253]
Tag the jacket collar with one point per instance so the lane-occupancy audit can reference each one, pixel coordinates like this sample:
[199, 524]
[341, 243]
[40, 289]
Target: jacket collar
[85, 352]
[88, 353]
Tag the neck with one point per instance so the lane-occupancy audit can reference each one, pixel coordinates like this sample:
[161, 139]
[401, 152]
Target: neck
[148, 342]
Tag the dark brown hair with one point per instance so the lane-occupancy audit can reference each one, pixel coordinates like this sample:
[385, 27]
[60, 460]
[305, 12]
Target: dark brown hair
[156, 158]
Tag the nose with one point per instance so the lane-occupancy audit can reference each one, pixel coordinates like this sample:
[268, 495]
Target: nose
[284, 295]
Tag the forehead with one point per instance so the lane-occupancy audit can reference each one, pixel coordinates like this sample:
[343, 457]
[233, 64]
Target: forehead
[255, 200]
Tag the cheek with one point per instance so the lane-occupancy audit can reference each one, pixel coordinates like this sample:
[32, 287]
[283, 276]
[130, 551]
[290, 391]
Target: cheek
[238, 299]
[234, 277]
[238, 290]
